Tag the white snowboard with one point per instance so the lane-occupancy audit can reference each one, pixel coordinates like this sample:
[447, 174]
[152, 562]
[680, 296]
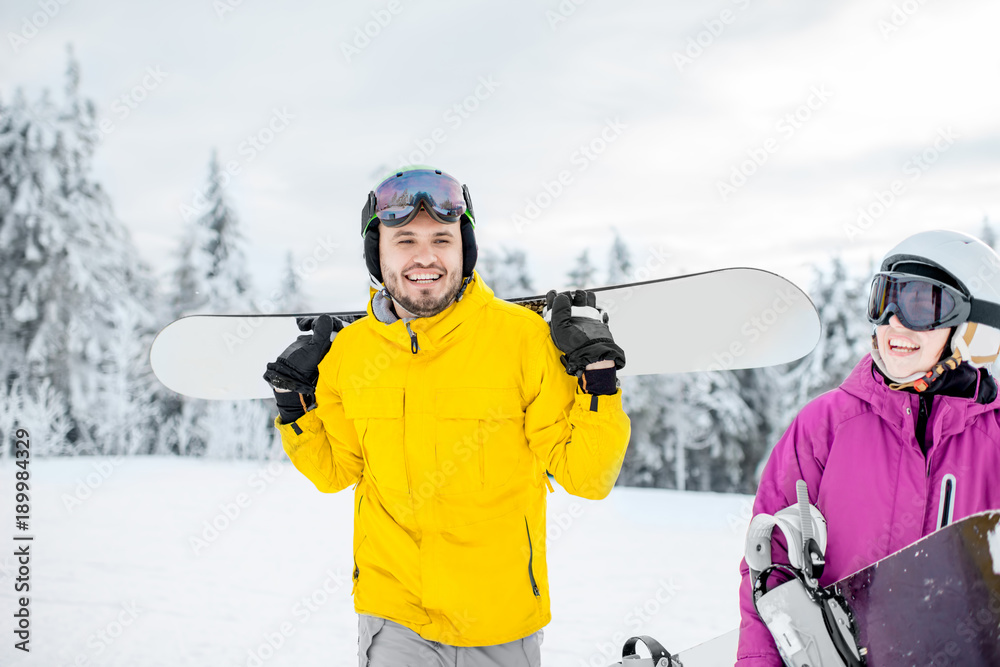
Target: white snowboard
[719, 320]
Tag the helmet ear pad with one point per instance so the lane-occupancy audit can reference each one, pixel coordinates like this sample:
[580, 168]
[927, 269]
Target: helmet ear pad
[371, 252]
[470, 250]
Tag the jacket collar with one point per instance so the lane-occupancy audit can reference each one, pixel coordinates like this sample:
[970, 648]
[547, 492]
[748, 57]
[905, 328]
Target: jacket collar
[439, 330]
[952, 416]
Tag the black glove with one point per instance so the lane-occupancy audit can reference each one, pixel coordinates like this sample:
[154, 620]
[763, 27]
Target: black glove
[297, 368]
[583, 336]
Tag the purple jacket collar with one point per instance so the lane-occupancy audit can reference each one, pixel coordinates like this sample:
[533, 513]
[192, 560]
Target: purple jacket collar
[955, 413]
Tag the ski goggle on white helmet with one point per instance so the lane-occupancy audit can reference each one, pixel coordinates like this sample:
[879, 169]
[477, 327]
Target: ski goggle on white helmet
[938, 279]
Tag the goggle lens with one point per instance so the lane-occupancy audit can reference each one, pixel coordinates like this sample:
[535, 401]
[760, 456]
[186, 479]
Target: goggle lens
[920, 304]
[399, 198]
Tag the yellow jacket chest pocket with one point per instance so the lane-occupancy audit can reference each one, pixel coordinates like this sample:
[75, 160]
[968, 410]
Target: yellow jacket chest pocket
[377, 413]
[479, 441]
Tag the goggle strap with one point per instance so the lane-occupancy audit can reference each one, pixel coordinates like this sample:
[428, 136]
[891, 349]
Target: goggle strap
[986, 312]
[468, 204]
[368, 213]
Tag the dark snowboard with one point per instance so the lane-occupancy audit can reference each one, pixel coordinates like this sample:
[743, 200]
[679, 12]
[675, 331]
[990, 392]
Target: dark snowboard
[933, 603]
[936, 602]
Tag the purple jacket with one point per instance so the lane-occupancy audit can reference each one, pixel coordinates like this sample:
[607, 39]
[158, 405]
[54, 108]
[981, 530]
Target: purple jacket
[856, 449]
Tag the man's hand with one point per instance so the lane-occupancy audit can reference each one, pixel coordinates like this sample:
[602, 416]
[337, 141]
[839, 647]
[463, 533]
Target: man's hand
[297, 368]
[580, 330]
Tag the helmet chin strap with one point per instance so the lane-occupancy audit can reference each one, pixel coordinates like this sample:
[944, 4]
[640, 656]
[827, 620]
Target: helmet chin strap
[461, 290]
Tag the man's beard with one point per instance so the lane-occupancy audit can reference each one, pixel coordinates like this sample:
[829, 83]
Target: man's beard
[424, 305]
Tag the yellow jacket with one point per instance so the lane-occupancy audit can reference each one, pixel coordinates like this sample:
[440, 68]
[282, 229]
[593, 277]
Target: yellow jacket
[449, 445]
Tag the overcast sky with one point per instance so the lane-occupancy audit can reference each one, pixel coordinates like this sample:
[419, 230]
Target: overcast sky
[731, 132]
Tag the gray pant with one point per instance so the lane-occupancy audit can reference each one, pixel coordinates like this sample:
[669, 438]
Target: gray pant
[383, 643]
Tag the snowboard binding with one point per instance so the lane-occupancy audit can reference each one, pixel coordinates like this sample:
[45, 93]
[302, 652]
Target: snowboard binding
[658, 656]
[812, 627]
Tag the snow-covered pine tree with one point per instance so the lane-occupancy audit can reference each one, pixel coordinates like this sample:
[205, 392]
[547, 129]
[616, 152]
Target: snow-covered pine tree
[717, 427]
[619, 261]
[212, 276]
[291, 298]
[506, 272]
[583, 274]
[68, 269]
[11, 400]
[761, 389]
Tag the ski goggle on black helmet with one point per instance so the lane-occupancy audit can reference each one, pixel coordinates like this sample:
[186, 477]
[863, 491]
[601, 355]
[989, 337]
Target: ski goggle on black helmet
[397, 200]
[920, 303]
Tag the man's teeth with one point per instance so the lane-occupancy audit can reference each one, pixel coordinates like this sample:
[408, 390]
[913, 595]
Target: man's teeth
[422, 277]
[902, 344]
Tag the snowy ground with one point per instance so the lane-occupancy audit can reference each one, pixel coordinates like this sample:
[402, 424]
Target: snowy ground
[118, 576]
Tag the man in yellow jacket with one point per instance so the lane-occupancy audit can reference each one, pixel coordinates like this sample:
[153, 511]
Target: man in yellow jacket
[445, 407]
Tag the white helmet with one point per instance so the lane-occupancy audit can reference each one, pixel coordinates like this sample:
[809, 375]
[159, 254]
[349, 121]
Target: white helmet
[971, 267]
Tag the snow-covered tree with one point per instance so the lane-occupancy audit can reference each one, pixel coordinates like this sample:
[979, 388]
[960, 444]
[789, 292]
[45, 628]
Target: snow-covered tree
[68, 267]
[619, 261]
[11, 403]
[841, 299]
[506, 272]
[212, 274]
[240, 430]
[291, 298]
[777, 394]
[584, 273]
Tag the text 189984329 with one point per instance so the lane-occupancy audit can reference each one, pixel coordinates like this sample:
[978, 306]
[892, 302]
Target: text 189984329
[22, 542]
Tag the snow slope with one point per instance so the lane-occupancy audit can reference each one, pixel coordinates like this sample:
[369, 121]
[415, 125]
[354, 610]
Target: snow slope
[128, 569]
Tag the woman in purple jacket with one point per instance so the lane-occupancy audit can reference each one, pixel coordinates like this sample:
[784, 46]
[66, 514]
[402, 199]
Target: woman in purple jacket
[911, 440]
